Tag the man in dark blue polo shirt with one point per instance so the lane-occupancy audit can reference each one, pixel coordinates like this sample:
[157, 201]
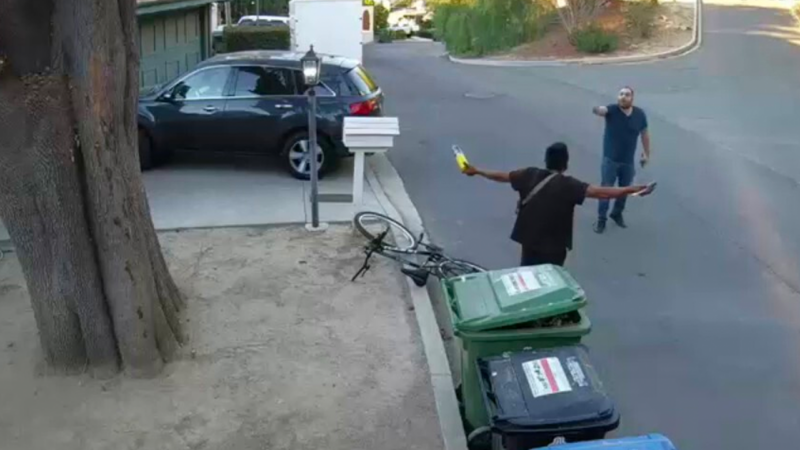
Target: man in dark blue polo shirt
[625, 124]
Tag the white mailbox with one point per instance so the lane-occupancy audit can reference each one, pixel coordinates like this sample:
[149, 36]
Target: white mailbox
[364, 135]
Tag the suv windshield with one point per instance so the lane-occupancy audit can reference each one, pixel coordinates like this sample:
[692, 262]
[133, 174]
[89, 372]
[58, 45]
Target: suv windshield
[363, 83]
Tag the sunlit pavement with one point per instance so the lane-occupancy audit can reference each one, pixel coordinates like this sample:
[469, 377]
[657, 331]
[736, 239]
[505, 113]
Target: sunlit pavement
[696, 307]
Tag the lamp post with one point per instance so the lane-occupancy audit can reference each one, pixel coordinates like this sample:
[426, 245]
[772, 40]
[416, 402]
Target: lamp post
[312, 65]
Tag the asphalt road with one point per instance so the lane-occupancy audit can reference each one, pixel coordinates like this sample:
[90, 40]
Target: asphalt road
[696, 307]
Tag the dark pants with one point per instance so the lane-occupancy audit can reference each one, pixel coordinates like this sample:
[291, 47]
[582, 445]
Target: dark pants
[615, 173]
[535, 257]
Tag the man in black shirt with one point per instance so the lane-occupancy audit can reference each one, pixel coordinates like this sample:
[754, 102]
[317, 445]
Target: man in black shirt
[547, 205]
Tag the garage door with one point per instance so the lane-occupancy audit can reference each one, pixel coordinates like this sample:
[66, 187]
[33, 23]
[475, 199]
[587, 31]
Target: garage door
[169, 45]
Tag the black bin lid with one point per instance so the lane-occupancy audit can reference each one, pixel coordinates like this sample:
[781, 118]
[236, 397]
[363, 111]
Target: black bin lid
[544, 389]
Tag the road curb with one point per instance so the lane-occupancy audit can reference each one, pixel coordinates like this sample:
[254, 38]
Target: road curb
[391, 194]
[691, 46]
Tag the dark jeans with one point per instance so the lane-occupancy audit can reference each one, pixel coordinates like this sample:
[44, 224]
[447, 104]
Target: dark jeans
[615, 173]
[535, 257]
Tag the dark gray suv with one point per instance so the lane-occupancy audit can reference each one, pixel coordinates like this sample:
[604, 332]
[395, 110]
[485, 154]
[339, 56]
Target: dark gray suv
[254, 102]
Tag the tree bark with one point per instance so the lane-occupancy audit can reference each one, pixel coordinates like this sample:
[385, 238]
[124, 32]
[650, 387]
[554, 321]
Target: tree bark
[71, 192]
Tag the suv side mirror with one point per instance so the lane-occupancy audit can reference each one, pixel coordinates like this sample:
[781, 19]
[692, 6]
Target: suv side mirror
[168, 96]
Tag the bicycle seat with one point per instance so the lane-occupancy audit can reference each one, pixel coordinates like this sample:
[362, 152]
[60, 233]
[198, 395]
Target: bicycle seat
[418, 276]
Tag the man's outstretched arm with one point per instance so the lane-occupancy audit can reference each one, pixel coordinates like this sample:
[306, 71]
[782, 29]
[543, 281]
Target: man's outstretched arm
[605, 193]
[600, 111]
[500, 177]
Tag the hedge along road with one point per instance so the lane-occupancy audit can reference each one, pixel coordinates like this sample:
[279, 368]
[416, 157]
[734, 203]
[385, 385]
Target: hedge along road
[696, 306]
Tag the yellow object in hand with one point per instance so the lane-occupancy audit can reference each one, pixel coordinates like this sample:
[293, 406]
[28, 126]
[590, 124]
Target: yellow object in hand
[461, 159]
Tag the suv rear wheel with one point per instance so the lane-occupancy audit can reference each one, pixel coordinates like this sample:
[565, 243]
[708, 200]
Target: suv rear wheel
[296, 156]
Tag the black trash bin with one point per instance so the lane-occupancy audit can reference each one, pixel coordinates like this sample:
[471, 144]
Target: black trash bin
[533, 397]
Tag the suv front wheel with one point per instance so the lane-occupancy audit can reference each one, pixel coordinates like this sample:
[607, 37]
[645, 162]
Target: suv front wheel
[296, 156]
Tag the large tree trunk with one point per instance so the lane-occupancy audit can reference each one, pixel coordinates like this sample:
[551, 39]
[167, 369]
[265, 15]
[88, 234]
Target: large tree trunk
[71, 192]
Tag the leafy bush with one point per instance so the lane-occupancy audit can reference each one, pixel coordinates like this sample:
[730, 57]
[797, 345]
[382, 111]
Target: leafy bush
[426, 34]
[399, 35]
[486, 26]
[593, 39]
[385, 36]
[640, 18]
[381, 17]
[458, 39]
[441, 15]
[255, 38]
[425, 24]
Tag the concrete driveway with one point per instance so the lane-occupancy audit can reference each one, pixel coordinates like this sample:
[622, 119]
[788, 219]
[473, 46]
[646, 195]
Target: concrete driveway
[211, 191]
[696, 307]
[215, 191]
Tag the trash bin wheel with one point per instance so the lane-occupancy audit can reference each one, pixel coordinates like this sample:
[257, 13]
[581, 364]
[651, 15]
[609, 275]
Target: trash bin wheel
[481, 439]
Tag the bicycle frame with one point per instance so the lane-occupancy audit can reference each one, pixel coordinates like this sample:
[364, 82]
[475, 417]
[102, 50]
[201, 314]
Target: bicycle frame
[433, 255]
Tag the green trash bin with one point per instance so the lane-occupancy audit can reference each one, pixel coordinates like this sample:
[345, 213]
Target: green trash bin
[511, 310]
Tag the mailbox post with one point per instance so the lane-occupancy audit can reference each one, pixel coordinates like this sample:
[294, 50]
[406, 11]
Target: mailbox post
[363, 135]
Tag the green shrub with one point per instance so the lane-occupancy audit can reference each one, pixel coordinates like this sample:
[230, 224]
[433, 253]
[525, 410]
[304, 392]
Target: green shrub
[503, 24]
[255, 38]
[479, 27]
[458, 38]
[385, 36]
[426, 34]
[593, 39]
[640, 18]
[381, 17]
[425, 24]
[399, 35]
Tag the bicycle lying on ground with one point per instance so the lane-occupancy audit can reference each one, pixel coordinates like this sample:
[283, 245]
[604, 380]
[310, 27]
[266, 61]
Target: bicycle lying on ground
[389, 238]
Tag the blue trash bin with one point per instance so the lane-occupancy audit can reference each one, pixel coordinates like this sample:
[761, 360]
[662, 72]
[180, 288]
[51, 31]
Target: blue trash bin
[648, 442]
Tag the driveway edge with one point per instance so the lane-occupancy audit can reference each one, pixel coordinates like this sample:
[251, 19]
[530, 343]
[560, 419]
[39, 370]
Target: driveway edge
[691, 46]
[391, 194]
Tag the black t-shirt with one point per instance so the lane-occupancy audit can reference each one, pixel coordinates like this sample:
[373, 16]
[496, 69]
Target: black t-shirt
[545, 222]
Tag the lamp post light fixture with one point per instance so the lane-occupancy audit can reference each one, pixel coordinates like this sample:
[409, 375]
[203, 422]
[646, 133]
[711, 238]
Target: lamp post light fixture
[312, 66]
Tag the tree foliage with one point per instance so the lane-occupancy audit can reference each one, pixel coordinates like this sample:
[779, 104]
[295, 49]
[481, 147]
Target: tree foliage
[381, 18]
[486, 26]
[402, 4]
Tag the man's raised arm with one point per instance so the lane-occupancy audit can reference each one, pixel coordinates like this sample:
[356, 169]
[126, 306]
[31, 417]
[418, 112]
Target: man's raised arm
[605, 193]
[500, 177]
[600, 110]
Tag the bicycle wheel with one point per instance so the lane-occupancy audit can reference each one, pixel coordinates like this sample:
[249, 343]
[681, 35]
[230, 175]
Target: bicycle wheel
[455, 268]
[372, 225]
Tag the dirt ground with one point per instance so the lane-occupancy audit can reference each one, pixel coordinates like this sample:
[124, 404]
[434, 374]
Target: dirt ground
[284, 353]
[673, 28]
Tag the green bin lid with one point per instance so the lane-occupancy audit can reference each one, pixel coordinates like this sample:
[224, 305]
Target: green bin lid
[504, 298]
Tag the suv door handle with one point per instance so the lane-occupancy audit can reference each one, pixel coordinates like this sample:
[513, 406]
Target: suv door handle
[210, 108]
[284, 106]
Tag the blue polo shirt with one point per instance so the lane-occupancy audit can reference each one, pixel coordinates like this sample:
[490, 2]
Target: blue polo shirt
[622, 133]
